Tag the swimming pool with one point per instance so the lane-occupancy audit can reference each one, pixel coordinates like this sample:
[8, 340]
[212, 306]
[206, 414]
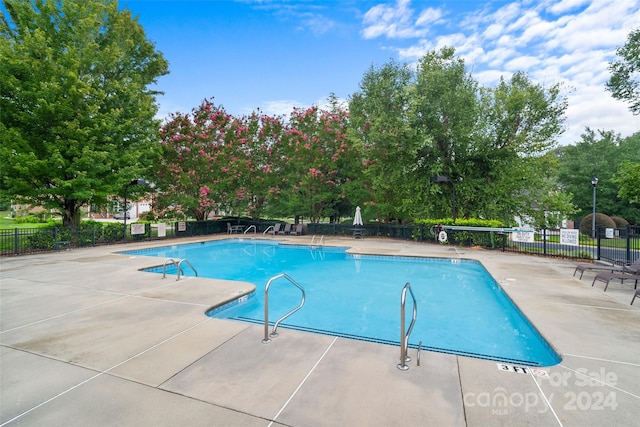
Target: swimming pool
[461, 308]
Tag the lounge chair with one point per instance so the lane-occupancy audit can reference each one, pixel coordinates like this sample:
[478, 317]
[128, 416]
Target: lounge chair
[298, 230]
[287, 229]
[633, 268]
[276, 229]
[234, 229]
[607, 277]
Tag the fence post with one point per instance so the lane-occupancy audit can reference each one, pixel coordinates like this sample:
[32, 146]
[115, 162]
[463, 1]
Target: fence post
[16, 241]
[544, 241]
[628, 244]
[598, 241]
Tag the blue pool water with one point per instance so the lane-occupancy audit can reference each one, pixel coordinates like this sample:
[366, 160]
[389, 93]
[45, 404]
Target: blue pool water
[461, 308]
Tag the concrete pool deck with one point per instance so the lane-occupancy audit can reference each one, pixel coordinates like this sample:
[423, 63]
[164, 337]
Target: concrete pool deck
[88, 339]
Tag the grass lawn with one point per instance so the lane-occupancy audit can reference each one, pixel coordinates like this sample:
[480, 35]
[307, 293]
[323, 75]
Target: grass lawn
[6, 222]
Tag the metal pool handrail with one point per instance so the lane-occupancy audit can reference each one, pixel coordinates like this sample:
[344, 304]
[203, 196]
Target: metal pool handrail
[313, 241]
[255, 230]
[189, 264]
[266, 307]
[164, 267]
[179, 267]
[404, 337]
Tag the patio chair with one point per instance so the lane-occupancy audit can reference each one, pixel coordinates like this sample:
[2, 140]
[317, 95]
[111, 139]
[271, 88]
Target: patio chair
[608, 277]
[287, 229]
[298, 230]
[234, 229]
[633, 268]
[276, 229]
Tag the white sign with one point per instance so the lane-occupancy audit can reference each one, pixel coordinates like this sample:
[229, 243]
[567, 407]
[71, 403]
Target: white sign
[569, 237]
[162, 229]
[513, 368]
[137, 229]
[182, 226]
[609, 233]
[522, 236]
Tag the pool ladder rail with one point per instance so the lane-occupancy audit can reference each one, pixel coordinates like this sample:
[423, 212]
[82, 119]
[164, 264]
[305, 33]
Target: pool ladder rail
[274, 333]
[320, 241]
[404, 336]
[179, 263]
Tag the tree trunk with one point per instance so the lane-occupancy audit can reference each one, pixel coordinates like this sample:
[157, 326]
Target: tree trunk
[71, 216]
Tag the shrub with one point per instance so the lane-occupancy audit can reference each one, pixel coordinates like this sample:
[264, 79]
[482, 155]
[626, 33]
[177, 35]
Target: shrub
[112, 232]
[468, 238]
[620, 222]
[29, 219]
[602, 220]
[471, 222]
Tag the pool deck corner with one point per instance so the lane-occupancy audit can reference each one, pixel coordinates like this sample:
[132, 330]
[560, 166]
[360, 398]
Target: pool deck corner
[86, 338]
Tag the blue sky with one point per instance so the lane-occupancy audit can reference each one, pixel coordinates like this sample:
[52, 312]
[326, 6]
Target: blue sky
[274, 55]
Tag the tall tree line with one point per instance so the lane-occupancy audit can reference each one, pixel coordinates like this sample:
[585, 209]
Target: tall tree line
[401, 128]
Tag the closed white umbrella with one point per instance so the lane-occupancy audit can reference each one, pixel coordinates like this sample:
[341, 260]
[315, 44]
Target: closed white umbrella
[357, 219]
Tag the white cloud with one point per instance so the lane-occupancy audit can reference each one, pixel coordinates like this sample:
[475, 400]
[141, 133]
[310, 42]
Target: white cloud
[559, 7]
[592, 106]
[429, 16]
[397, 22]
[323, 103]
[493, 31]
[522, 63]
[570, 42]
[281, 107]
[316, 23]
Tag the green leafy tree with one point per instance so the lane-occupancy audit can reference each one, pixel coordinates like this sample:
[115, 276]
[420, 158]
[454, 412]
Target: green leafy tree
[445, 117]
[76, 111]
[488, 142]
[508, 175]
[628, 181]
[624, 83]
[599, 154]
[381, 131]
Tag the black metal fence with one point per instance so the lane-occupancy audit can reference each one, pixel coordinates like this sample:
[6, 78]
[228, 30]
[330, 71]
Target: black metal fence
[621, 245]
[615, 245]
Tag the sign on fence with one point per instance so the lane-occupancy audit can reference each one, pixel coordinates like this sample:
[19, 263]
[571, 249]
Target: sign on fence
[182, 226]
[137, 229]
[522, 236]
[162, 229]
[569, 237]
